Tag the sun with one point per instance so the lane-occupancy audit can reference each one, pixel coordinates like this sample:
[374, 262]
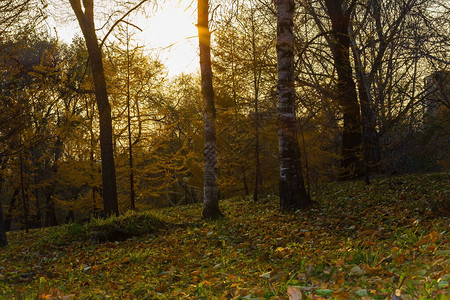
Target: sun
[172, 34]
[169, 33]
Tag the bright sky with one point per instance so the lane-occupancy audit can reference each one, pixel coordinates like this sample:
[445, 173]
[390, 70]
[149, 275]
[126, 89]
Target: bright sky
[169, 33]
[172, 33]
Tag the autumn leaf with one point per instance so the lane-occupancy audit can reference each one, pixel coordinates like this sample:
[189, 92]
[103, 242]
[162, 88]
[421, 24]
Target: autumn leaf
[261, 257]
[294, 293]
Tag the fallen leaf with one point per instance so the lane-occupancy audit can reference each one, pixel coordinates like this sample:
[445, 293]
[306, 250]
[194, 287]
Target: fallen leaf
[423, 241]
[341, 295]
[356, 271]
[294, 293]
[362, 293]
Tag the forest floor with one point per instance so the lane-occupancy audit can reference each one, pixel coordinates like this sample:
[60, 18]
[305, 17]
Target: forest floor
[359, 241]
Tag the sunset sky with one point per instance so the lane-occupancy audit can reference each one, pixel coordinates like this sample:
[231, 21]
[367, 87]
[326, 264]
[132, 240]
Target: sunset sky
[169, 33]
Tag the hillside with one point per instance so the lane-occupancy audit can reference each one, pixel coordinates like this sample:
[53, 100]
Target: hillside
[359, 241]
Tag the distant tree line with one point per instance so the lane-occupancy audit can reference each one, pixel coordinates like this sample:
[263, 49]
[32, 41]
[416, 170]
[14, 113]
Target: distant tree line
[291, 94]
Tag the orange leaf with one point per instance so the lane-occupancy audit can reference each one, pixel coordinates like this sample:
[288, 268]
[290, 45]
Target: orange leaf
[44, 296]
[340, 281]
[341, 295]
[434, 236]
[423, 241]
[399, 259]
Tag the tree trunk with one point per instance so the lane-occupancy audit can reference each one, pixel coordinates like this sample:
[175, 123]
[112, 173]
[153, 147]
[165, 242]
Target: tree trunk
[50, 213]
[12, 204]
[256, 79]
[50, 216]
[293, 194]
[3, 239]
[244, 179]
[85, 18]
[371, 141]
[346, 95]
[210, 197]
[130, 144]
[70, 217]
[24, 195]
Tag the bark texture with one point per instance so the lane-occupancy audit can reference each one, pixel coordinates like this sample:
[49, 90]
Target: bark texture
[85, 17]
[293, 194]
[346, 94]
[211, 208]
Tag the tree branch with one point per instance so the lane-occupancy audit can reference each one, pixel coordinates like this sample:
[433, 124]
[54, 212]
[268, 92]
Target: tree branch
[120, 20]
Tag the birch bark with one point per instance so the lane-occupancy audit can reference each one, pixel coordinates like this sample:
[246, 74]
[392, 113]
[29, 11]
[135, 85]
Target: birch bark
[211, 208]
[293, 194]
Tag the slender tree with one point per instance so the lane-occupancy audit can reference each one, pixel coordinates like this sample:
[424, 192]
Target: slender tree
[3, 239]
[85, 17]
[293, 194]
[211, 208]
[130, 143]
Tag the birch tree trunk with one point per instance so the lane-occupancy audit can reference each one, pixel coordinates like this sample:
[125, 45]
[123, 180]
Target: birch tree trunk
[293, 194]
[85, 17]
[210, 194]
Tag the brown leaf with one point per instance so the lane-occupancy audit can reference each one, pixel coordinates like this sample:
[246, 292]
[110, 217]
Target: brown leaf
[399, 259]
[423, 241]
[341, 295]
[434, 236]
[294, 293]
[372, 271]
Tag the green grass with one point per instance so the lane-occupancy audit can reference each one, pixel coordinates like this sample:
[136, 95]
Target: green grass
[358, 241]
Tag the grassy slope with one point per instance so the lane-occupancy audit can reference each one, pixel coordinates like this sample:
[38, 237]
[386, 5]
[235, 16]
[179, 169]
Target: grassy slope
[358, 241]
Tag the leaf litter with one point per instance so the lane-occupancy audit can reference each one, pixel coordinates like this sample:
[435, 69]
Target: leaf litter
[381, 241]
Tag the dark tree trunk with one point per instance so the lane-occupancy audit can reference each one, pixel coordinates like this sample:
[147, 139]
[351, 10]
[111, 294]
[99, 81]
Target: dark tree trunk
[257, 164]
[50, 213]
[346, 94]
[130, 144]
[371, 140]
[36, 219]
[85, 18]
[50, 216]
[256, 79]
[90, 110]
[293, 194]
[3, 239]
[70, 217]
[24, 195]
[244, 179]
[211, 208]
[10, 210]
